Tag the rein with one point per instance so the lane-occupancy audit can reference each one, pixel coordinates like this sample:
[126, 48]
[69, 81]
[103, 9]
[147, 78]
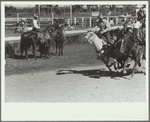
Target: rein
[90, 37]
[130, 50]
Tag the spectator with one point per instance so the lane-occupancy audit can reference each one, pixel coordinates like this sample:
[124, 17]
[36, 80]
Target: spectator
[50, 22]
[18, 24]
[111, 21]
[136, 29]
[35, 25]
[123, 21]
[77, 24]
[129, 21]
[116, 20]
[141, 14]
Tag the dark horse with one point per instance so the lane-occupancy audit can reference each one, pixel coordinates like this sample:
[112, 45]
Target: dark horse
[133, 49]
[33, 39]
[113, 51]
[46, 44]
[59, 36]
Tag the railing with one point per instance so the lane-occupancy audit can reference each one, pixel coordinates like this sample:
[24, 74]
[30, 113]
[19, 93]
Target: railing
[82, 21]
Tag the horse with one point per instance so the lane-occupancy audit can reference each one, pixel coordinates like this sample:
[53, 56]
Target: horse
[91, 37]
[131, 48]
[58, 35]
[45, 45]
[106, 51]
[31, 38]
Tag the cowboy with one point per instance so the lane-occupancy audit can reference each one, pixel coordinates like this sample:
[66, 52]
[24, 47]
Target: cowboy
[35, 25]
[136, 27]
[104, 28]
[141, 14]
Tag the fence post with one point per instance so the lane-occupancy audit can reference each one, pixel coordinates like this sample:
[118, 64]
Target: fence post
[69, 22]
[75, 20]
[90, 22]
[82, 21]
[116, 20]
[17, 17]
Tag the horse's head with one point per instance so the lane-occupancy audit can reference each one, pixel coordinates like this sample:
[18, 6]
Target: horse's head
[126, 45]
[89, 37]
[50, 28]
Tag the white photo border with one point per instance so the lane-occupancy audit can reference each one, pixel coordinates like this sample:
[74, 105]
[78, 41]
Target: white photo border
[72, 111]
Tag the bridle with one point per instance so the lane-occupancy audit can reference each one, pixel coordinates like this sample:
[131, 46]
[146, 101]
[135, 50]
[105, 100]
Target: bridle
[90, 37]
[130, 50]
[94, 38]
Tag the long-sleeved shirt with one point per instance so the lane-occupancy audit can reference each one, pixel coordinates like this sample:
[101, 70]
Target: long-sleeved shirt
[104, 26]
[35, 25]
[137, 25]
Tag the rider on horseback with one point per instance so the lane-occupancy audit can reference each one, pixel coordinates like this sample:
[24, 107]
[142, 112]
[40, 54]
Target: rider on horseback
[104, 28]
[35, 25]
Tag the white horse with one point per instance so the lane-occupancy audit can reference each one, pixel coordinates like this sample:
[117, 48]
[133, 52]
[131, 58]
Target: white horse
[91, 37]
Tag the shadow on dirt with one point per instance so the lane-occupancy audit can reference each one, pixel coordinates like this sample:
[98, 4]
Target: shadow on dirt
[95, 73]
[18, 56]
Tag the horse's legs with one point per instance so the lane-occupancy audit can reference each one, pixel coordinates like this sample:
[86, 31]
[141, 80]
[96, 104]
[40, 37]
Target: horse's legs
[26, 51]
[21, 49]
[56, 47]
[49, 48]
[102, 58]
[115, 62]
[48, 52]
[45, 54]
[34, 48]
[124, 67]
[137, 61]
[62, 49]
[59, 46]
[40, 49]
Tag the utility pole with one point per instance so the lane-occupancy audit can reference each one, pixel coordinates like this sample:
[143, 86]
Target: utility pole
[39, 14]
[17, 17]
[52, 15]
[70, 14]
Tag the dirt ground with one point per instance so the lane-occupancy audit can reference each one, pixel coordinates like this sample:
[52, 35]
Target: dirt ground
[75, 77]
[75, 55]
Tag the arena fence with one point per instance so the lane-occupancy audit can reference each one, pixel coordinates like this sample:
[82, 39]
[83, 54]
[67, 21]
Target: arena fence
[82, 21]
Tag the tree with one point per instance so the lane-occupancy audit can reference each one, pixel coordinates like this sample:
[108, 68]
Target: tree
[76, 8]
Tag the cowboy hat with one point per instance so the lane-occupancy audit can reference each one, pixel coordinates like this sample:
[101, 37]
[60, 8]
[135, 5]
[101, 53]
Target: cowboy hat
[100, 16]
[35, 16]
